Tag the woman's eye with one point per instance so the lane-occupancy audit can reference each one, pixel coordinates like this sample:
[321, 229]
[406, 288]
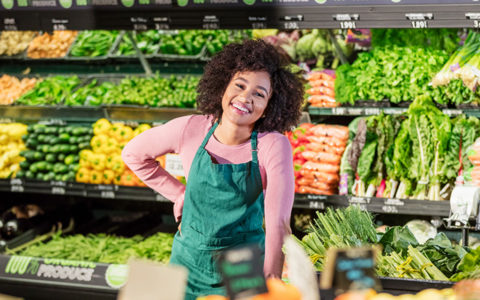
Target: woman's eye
[260, 95]
[239, 86]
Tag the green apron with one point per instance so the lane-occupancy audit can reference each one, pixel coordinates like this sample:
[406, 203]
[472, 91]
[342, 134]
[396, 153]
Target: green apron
[223, 208]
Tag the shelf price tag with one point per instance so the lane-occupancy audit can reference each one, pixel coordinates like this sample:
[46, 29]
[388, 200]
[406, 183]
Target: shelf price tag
[475, 17]
[347, 21]
[291, 22]
[16, 185]
[10, 24]
[139, 23]
[107, 194]
[58, 190]
[419, 20]
[161, 23]
[389, 209]
[316, 205]
[211, 22]
[60, 24]
[258, 22]
[160, 198]
[360, 201]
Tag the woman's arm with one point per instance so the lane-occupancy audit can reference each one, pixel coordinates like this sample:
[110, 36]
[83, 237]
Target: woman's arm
[140, 154]
[279, 197]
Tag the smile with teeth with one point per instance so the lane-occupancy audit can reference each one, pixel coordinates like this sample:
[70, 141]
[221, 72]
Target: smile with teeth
[241, 108]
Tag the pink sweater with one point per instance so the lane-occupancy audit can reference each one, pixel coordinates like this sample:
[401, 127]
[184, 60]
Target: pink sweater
[184, 136]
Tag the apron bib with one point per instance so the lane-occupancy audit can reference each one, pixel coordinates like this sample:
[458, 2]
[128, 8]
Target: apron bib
[223, 208]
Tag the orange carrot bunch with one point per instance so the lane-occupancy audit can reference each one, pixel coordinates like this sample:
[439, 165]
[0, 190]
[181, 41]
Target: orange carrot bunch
[322, 90]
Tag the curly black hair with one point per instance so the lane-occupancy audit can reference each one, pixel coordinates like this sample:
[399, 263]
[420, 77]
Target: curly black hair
[284, 107]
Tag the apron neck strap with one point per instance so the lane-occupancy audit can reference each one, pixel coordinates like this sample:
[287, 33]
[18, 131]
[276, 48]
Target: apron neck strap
[253, 140]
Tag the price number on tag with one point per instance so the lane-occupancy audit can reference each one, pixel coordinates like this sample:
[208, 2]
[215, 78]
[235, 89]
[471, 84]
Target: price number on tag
[316, 205]
[348, 25]
[17, 188]
[161, 26]
[259, 25]
[390, 209]
[210, 26]
[140, 27]
[420, 24]
[57, 190]
[290, 25]
[59, 27]
[107, 194]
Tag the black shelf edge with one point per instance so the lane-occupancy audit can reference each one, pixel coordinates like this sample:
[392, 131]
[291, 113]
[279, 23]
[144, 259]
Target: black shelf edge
[131, 193]
[376, 205]
[367, 111]
[305, 201]
[92, 113]
[142, 15]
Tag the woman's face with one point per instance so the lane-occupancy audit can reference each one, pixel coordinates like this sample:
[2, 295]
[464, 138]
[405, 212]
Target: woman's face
[246, 98]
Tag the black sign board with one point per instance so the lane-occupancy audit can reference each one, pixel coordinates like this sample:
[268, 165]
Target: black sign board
[350, 269]
[81, 273]
[242, 271]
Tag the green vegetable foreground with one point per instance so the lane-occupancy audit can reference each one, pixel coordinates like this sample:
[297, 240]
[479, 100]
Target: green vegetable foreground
[104, 248]
[402, 255]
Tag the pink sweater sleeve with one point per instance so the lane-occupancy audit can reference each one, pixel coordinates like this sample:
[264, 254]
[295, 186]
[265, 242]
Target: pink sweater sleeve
[140, 154]
[279, 196]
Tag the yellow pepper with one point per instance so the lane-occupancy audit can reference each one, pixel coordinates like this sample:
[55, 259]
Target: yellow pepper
[141, 128]
[112, 146]
[126, 133]
[98, 141]
[96, 177]
[85, 158]
[98, 162]
[116, 164]
[108, 176]
[117, 179]
[115, 131]
[102, 126]
[83, 175]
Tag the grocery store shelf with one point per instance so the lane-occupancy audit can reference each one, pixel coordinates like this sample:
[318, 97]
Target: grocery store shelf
[80, 190]
[213, 14]
[368, 111]
[92, 113]
[306, 201]
[37, 278]
[376, 205]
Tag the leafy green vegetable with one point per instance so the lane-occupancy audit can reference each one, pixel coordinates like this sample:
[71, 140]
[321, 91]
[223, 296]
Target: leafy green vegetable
[390, 72]
[398, 239]
[469, 266]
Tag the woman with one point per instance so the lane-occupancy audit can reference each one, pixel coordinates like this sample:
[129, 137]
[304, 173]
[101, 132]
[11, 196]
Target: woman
[237, 163]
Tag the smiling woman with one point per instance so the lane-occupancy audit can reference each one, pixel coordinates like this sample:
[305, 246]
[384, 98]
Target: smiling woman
[237, 163]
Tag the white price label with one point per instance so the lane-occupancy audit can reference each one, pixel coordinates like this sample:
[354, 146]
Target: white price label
[162, 26]
[290, 25]
[419, 24]
[348, 25]
[57, 190]
[316, 205]
[107, 194]
[390, 209]
[16, 181]
[173, 165]
[17, 188]
[476, 24]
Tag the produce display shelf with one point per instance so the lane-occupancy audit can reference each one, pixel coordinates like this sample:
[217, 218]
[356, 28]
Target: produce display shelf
[133, 113]
[376, 205]
[92, 113]
[305, 201]
[80, 190]
[368, 111]
[38, 278]
[142, 15]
